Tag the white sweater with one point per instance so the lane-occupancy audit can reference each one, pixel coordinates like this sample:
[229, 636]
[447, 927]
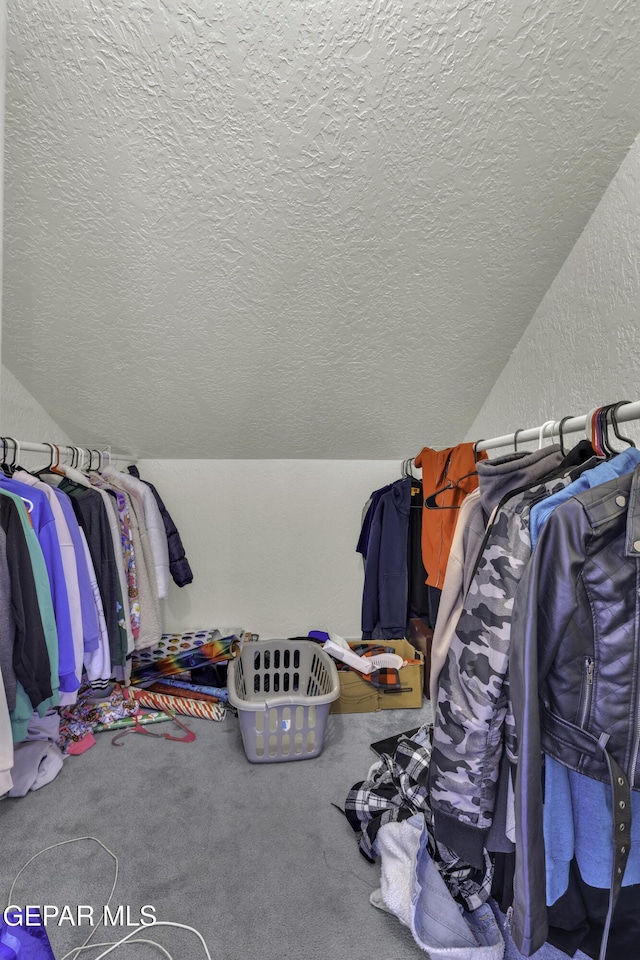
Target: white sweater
[152, 520]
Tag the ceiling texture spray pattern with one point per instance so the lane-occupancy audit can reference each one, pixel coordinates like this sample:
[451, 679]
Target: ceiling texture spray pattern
[296, 228]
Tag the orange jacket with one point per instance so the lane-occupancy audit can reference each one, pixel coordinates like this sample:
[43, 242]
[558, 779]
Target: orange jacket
[440, 467]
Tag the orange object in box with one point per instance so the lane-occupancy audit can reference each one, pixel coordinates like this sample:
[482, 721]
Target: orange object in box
[359, 696]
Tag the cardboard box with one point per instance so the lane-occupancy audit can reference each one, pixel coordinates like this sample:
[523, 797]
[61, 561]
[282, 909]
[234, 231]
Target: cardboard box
[359, 696]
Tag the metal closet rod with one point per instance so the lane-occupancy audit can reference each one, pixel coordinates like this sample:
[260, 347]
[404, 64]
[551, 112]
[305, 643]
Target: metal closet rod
[629, 411]
[64, 448]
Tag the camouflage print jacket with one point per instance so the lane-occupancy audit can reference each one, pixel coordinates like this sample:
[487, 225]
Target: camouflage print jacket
[473, 721]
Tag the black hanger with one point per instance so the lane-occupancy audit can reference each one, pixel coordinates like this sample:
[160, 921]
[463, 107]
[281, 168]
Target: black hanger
[431, 502]
[515, 439]
[53, 466]
[561, 434]
[475, 449]
[5, 451]
[614, 422]
[10, 468]
[603, 425]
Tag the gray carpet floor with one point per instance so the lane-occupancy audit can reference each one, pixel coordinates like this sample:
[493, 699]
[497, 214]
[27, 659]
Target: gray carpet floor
[254, 856]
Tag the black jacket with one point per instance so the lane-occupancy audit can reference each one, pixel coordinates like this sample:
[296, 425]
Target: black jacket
[30, 654]
[178, 563]
[575, 674]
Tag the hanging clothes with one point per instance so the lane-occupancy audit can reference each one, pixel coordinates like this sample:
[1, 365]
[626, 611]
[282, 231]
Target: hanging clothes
[33, 563]
[7, 626]
[384, 599]
[465, 544]
[575, 669]
[43, 522]
[367, 519]
[390, 542]
[418, 601]
[473, 695]
[523, 616]
[178, 564]
[70, 571]
[30, 657]
[444, 468]
[75, 600]
[93, 519]
[497, 480]
[117, 508]
[149, 515]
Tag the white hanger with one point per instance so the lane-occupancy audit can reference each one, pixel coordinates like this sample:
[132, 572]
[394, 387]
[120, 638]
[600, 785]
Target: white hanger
[548, 423]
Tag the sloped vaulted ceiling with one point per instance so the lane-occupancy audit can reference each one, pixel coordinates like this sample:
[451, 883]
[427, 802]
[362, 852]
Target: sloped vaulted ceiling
[296, 228]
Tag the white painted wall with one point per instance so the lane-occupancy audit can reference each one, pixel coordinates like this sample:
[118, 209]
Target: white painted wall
[582, 347]
[271, 542]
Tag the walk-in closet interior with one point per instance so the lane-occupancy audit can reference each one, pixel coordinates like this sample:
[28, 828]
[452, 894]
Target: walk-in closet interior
[319, 479]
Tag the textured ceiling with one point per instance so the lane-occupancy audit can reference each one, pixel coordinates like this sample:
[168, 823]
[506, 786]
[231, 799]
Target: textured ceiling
[296, 228]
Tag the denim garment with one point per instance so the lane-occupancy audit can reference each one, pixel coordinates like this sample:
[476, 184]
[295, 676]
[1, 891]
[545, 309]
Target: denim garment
[413, 889]
[440, 926]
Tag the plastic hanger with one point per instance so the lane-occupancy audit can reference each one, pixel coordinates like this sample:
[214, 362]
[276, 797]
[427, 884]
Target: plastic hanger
[16, 456]
[432, 504]
[614, 422]
[592, 433]
[515, 439]
[53, 467]
[138, 728]
[9, 468]
[603, 429]
[547, 423]
[475, 449]
[561, 434]
[603, 417]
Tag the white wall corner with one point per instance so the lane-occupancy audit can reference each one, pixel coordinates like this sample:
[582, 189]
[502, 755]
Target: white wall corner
[582, 346]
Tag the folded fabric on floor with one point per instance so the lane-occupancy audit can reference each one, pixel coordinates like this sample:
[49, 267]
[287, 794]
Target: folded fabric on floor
[35, 763]
[398, 790]
[413, 889]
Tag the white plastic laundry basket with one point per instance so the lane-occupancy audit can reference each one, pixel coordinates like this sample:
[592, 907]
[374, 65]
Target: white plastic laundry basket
[282, 690]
